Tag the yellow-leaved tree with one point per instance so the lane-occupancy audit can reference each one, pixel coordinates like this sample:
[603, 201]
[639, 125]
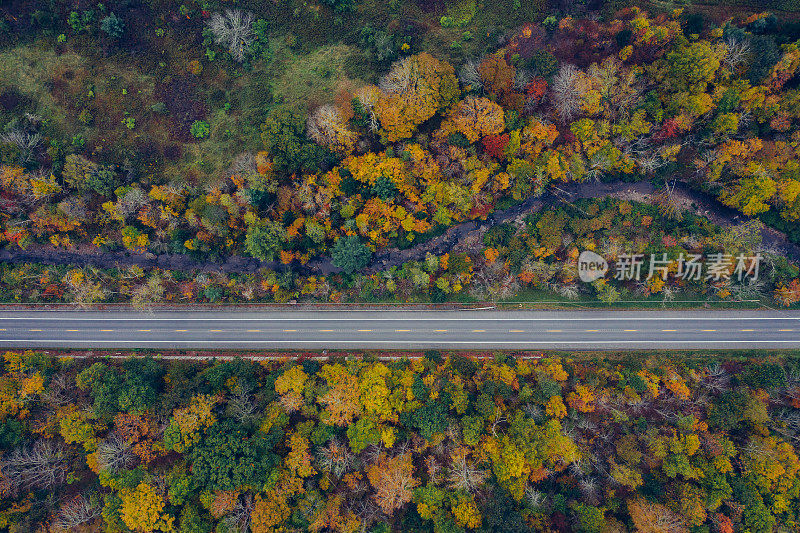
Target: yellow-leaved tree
[290, 386]
[187, 422]
[375, 392]
[143, 510]
[268, 513]
[341, 400]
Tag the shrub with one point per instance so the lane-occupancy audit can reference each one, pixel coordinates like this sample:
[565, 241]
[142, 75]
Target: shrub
[350, 254]
[113, 26]
[200, 129]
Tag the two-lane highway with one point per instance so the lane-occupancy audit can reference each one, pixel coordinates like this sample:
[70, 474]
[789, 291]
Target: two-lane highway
[481, 329]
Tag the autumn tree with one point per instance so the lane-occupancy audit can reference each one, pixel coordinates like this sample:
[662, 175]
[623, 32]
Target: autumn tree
[290, 386]
[414, 90]
[568, 89]
[341, 400]
[689, 68]
[496, 75]
[234, 30]
[788, 294]
[40, 466]
[149, 293]
[184, 429]
[268, 513]
[76, 512]
[475, 117]
[143, 509]
[393, 480]
[327, 127]
[651, 517]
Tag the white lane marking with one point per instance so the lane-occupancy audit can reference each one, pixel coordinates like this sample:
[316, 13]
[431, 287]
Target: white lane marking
[237, 341]
[373, 319]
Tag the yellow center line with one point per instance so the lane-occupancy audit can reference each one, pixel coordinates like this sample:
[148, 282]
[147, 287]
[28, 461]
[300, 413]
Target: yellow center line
[215, 330]
[440, 330]
[402, 330]
[364, 330]
[259, 331]
[778, 330]
[286, 330]
[669, 330]
[516, 331]
[71, 330]
[181, 330]
[747, 330]
[593, 330]
[106, 330]
[478, 331]
[326, 330]
[553, 331]
[708, 330]
[145, 330]
[3, 329]
[34, 330]
[630, 330]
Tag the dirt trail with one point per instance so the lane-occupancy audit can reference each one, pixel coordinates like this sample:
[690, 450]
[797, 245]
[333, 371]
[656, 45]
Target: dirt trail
[698, 202]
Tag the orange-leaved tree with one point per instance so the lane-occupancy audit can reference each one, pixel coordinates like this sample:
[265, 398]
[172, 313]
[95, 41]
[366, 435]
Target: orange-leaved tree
[413, 91]
[474, 117]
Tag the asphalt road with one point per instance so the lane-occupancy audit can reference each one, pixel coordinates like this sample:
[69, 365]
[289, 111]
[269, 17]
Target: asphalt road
[480, 329]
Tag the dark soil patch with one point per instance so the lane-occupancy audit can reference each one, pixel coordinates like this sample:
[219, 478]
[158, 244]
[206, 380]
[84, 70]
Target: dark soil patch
[11, 100]
[179, 94]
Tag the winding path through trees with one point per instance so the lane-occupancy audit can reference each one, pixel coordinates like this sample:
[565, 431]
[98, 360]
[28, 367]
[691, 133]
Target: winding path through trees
[700, 203]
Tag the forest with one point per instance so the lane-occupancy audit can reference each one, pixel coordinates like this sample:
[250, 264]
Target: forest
[361, 144]
[437, 442]
[538, 256]
[157, 153]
